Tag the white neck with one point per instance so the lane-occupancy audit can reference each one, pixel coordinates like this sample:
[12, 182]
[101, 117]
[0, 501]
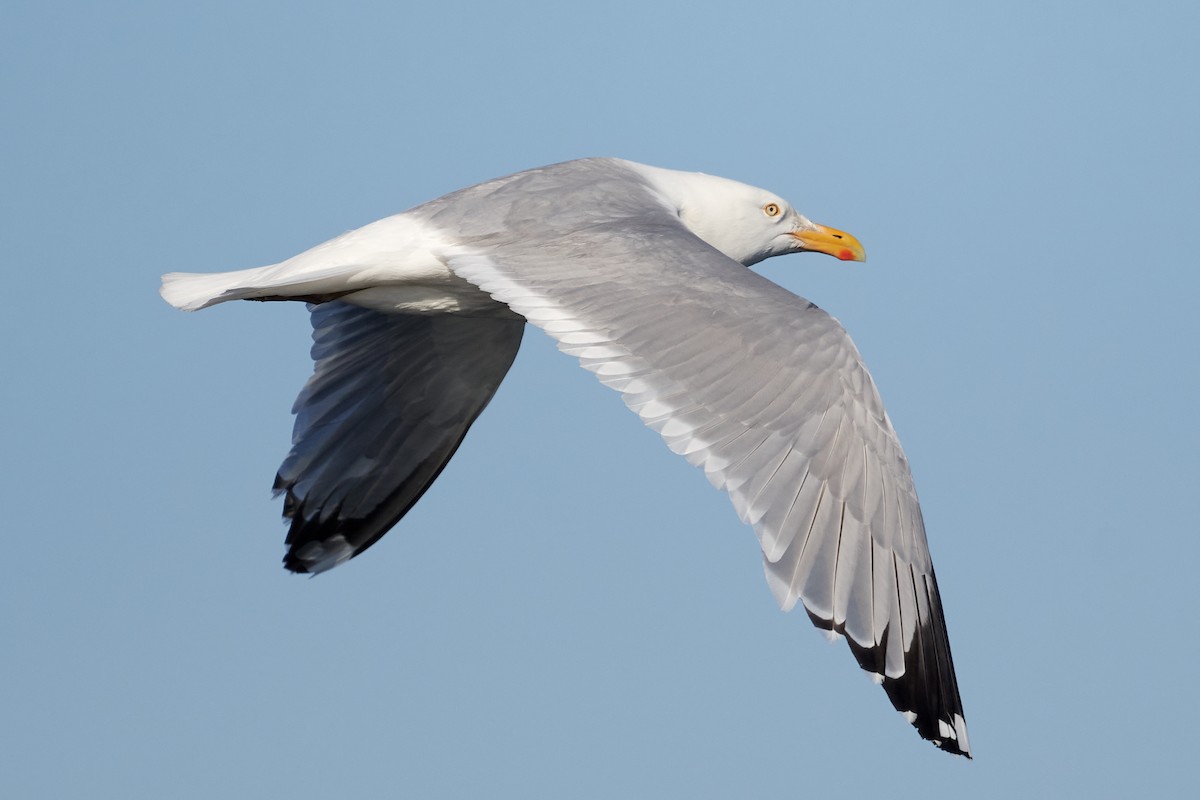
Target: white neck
[714, 208]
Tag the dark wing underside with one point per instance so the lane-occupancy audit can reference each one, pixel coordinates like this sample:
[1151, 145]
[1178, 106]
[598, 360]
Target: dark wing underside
[390, 400]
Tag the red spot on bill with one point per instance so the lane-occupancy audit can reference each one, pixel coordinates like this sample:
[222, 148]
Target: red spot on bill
[845, 255]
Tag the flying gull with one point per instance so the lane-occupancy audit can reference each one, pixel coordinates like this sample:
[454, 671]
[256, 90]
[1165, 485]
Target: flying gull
[640, 273]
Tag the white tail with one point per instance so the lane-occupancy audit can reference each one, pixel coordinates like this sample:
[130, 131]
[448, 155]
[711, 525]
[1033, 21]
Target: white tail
[193, 291]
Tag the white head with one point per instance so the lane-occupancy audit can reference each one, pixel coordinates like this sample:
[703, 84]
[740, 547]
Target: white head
[745, 223]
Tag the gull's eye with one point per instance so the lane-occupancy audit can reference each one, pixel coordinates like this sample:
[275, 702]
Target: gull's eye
[772, 209]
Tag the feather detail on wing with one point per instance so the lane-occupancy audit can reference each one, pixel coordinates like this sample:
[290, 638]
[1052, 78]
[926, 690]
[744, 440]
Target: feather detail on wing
[390, 400]
[767, 394]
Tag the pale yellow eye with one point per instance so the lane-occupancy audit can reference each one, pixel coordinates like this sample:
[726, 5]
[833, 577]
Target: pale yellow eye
[771, 209]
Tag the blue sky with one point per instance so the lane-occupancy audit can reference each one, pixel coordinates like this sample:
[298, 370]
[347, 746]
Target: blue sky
[571, 611]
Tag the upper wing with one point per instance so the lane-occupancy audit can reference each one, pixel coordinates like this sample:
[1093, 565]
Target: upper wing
[390, 399]
[768, 395]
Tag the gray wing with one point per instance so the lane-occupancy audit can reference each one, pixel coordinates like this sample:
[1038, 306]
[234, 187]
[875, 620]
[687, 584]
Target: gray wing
[390, 400]
[767, 394]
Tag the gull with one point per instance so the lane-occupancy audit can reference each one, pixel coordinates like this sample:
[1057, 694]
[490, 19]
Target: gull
[641, 274]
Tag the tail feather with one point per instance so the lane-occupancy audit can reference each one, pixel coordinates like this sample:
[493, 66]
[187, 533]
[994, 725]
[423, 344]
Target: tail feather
[348, 263]
[193, 291]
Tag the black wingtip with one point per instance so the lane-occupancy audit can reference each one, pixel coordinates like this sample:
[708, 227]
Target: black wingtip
[926, 694]
[293, 564]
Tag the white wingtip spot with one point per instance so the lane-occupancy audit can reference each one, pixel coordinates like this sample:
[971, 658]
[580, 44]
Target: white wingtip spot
[960, 734]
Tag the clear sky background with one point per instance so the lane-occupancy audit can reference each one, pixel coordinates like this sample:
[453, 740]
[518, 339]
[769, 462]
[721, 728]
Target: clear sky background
[571, 611]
